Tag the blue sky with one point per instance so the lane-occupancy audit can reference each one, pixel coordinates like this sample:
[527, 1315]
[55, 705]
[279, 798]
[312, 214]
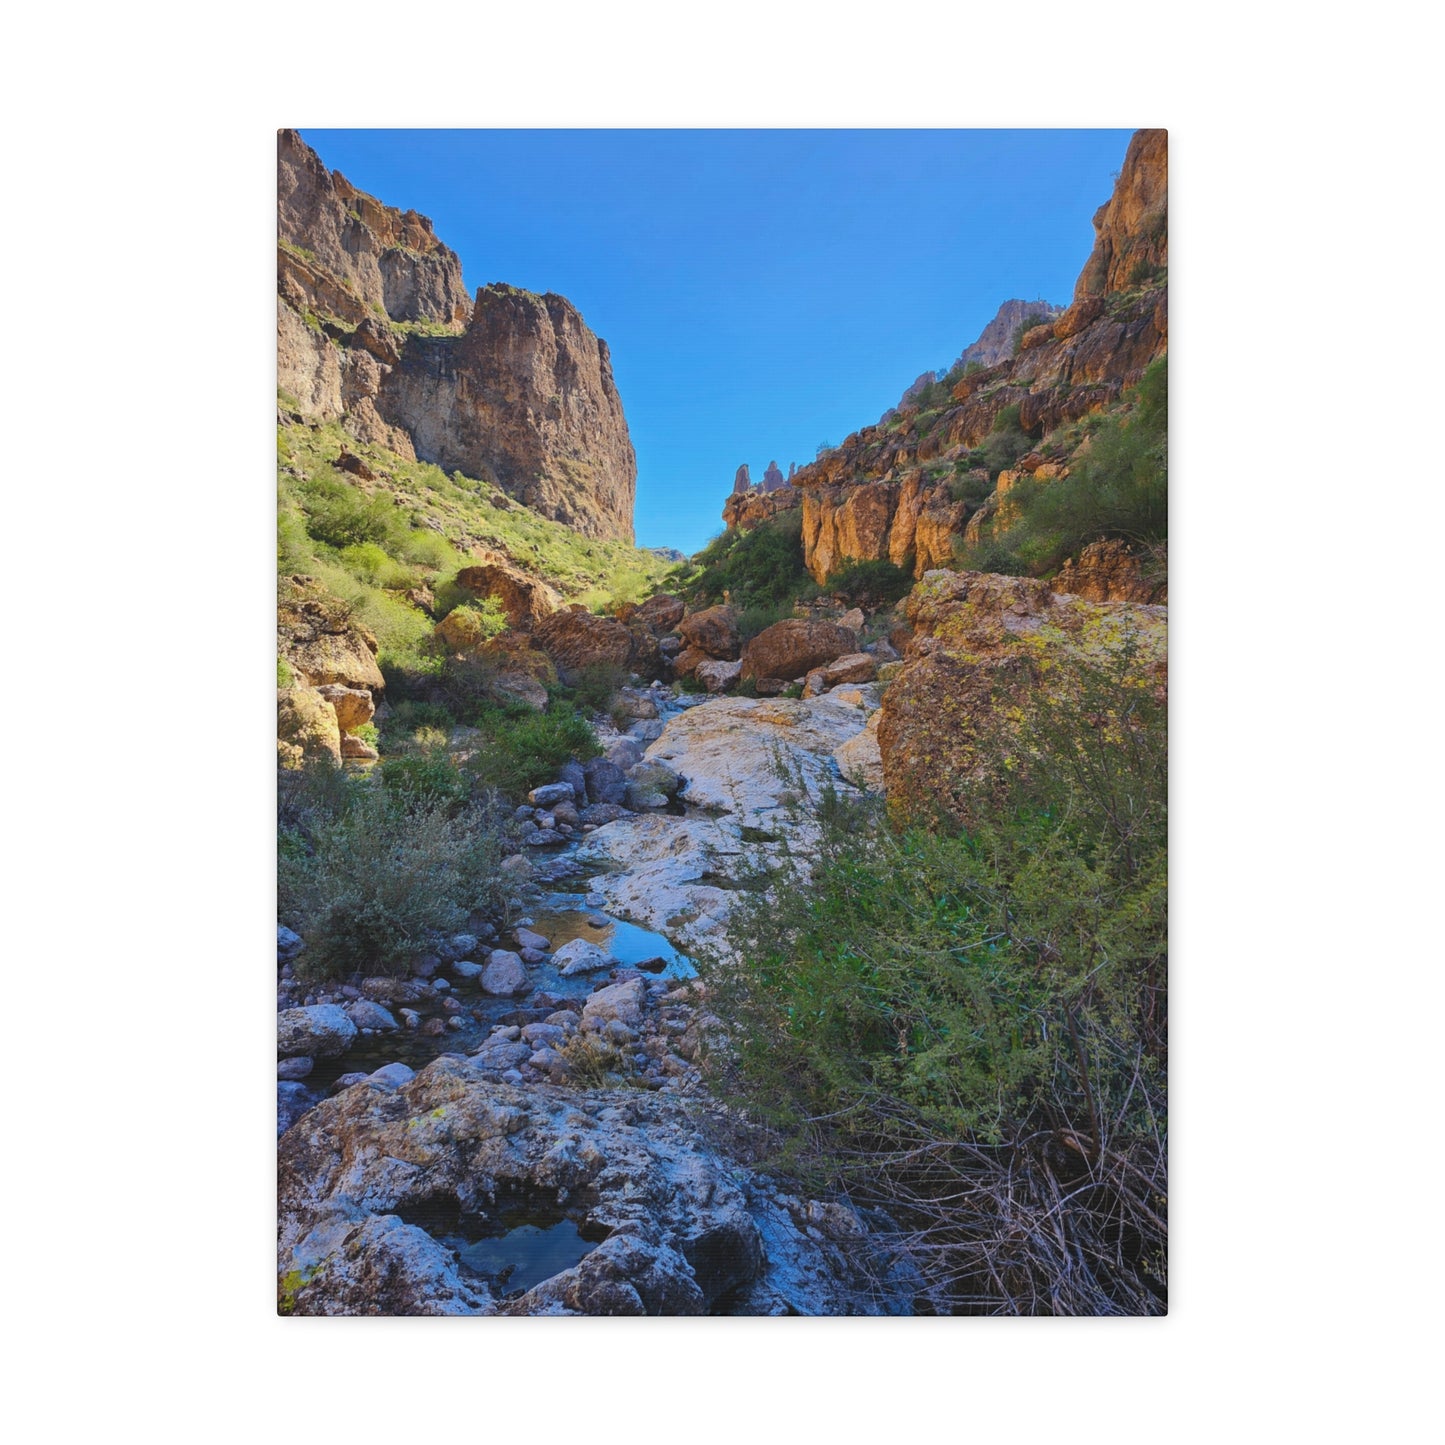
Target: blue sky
[761, 291]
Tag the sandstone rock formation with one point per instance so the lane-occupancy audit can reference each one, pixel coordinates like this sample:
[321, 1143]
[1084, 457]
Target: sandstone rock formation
[773, 478]
[978, 639]
[742, 480]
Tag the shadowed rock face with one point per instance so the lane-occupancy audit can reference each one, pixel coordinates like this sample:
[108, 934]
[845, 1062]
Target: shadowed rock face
[524, 399]
[742, 480]
[995, 341]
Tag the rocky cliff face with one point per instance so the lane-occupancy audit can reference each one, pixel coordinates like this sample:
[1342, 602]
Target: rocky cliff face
[888, 492]
[1132, 227]
[334, 237]
[374, 328]
[995, 341]
[525, 399]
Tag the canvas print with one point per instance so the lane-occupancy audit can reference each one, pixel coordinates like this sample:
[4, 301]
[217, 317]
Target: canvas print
[722, 723]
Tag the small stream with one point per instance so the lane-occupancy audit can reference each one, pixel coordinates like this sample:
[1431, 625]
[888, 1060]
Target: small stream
[559, 916]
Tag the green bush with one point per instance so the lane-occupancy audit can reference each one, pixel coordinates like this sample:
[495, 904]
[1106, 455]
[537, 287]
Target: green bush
[965, 487]
[428, 777]
[966, 1030]
[521, 750]
[367, 874]
[870, 584]
[595, 686]
[757, 568]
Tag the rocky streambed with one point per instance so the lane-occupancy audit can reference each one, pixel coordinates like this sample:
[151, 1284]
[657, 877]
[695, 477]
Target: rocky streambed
[521, 1127]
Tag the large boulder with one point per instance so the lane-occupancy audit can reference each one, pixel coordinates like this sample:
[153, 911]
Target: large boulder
[575, 639]
[793, 647]
[661, 613]
[605, 782]
[713, 632]
[354, 707]
[321, 640]
[718, 676]
[318, 1031]
[580, 955]
[504, 975]
[306, 728]
[524, 598]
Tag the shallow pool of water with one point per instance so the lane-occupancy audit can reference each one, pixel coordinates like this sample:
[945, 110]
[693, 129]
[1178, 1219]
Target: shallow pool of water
[559, 921]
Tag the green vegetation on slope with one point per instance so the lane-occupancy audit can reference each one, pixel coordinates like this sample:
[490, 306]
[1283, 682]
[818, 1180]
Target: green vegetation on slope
[1116, 488]
[966, 1029]
[414, 526]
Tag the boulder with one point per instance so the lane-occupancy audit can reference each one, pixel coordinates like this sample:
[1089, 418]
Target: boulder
[306, 728]
[795, 646]
[319, 638]
[851, 667]
[545, 797]
[357, 750]
[605, 783]
[572, 773]
[661, 613]
[524, 598]
[581, 956]
[288, 944]
[368, 1015]
[652, 785]
[718, 676]
[353, 705]
[713, 632]
[621, 1001]
[320, 1031]
[504, 975]
[575, 639]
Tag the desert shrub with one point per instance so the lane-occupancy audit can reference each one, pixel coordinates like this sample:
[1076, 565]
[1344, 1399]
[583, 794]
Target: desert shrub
[968, 487]
[989, 554]
[428, 777]
[519, 749]
[760, 616]
[366, 874]
[966, 1028]
[870, 584]
[284, 675]
[594, 686]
